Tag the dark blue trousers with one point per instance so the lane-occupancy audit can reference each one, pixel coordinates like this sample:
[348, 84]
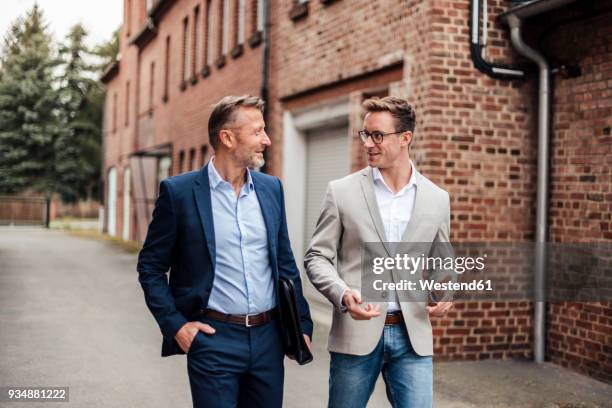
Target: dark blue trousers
[237, 366]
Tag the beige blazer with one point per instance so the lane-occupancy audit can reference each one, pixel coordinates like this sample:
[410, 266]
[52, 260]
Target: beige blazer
[349, 217]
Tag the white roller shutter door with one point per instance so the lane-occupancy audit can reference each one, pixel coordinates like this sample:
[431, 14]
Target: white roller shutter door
[327, 158]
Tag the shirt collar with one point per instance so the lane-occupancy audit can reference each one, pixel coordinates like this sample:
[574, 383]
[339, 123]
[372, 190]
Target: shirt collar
[215, 179]
[379, 178]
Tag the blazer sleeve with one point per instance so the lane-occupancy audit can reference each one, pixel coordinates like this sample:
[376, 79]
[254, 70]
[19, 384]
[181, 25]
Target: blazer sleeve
[287, 267]
[154, 262]
[442, 248]
[320, 257]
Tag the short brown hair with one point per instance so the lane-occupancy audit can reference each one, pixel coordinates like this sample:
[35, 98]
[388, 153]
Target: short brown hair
[400, 109]
[223, 113]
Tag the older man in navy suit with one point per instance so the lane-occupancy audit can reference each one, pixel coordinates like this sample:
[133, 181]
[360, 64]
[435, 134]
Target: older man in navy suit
[222, 233]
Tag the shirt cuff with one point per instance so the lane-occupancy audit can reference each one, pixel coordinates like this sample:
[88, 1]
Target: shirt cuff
[343, 308]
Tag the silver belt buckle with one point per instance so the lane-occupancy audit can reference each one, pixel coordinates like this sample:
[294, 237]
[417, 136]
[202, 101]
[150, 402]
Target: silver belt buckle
[246, 320]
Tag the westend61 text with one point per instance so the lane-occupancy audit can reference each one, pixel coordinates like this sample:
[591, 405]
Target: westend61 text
[429, 285]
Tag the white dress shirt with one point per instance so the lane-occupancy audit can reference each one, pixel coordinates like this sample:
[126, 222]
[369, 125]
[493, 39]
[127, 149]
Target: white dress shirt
[395, 211]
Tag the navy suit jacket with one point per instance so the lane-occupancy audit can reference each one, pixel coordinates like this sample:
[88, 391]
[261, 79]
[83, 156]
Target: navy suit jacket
[181, 240]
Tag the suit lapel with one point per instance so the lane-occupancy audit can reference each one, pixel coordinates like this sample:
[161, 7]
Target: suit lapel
[265, 199]
[367, 186]
[201, 193]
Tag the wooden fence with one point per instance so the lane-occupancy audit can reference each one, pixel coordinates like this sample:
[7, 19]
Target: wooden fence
[19, 210]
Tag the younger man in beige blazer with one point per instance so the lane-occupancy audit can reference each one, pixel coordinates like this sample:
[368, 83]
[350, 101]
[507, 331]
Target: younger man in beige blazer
[389, 201]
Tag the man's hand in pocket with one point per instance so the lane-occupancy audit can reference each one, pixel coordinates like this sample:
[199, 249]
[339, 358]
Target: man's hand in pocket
[184, 337]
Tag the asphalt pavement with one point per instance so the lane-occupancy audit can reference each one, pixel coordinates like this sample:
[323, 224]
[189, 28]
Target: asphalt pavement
[72, 314]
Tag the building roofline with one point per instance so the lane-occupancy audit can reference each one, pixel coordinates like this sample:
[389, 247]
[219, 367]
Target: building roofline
[149, 30]
[144, 35]
[110, 72]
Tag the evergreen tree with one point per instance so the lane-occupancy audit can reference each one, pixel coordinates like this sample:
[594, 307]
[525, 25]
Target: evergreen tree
[108, 51]
[77, 147]
[28, 107]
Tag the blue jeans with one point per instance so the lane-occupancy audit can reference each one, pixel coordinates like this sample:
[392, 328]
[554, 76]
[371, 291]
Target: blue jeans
[408, 376]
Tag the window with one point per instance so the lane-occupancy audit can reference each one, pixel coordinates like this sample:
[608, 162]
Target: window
[128, 17]
[260, 16]
[257, 22]
[300, 9]
[111, 203]
[224, 28]
[164, 165]
[195, 43]
[127, 104]
[181, 162]
[192, 159]
[115, 112]
[185, 64]
[127, 214]
[208, 42]
[241, 21]
[203, 155]
[151, 86]
[166, 69]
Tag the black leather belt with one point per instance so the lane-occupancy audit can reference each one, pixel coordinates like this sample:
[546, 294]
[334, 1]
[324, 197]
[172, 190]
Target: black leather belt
[394, 318]
[250, 320]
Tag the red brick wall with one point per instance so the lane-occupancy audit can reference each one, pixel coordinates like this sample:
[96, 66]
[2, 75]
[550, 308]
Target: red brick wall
[480, 330]
[478, 141]
[474, 136]
[580, 334]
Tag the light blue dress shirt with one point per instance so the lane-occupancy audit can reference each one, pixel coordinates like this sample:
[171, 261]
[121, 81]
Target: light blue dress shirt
[243, 281]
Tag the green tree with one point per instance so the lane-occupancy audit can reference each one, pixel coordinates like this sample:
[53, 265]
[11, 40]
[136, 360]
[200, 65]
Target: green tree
[77, 147]
[28, 107]
[107, 51]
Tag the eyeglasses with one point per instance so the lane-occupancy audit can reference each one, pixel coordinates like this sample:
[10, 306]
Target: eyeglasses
[377, 137]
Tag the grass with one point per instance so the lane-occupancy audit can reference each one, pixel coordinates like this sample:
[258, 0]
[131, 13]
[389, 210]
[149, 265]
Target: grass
[67, 227]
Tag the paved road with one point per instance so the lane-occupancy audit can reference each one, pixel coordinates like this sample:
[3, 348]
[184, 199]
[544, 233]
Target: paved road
[72, 314]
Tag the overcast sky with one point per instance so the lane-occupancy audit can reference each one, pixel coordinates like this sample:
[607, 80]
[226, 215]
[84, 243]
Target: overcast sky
[100, 17]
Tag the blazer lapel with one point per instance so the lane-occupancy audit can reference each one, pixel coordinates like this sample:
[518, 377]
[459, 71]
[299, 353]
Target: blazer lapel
[265, 199]
[367, 186]
[201, 193]
[417, 211]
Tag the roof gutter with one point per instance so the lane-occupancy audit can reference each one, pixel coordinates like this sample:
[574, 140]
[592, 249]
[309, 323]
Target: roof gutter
[110, 72]
[515, 19]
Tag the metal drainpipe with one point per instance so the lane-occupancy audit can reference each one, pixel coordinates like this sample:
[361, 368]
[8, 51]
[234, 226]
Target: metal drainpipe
[478, 46]
[542, 184]
[264, 74]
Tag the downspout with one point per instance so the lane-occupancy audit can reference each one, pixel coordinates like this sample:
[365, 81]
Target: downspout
[539, 318]
[102, 186]
[265, 68]
[135, 144]
[515, 18]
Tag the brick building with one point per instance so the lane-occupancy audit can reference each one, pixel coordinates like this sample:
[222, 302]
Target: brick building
[177, 59]
[477, 126]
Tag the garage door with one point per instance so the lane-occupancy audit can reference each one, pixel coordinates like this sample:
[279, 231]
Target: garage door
[327, 158]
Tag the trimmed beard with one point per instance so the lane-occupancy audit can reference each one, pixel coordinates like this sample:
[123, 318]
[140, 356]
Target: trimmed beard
[251, 161]
[256, 162]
